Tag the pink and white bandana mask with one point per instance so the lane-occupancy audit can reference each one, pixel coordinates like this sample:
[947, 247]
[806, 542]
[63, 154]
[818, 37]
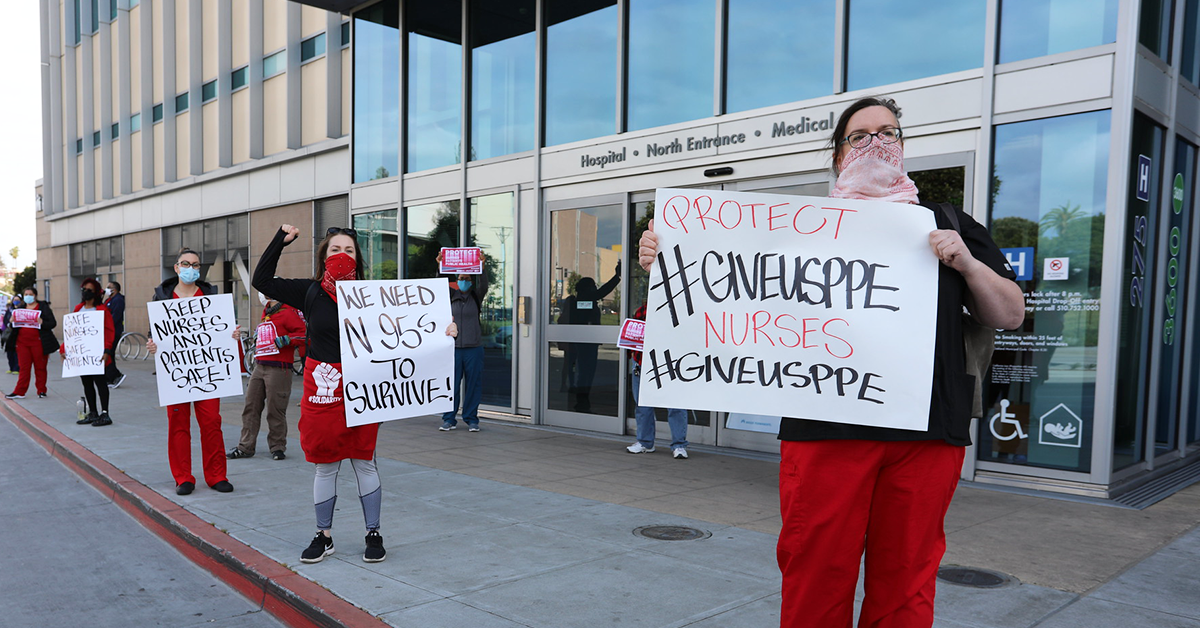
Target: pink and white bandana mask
[875, 173]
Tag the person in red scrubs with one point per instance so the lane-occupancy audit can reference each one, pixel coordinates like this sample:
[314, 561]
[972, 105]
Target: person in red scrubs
[35, 341]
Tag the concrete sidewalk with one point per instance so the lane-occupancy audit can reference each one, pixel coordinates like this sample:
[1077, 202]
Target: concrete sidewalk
[523, 526]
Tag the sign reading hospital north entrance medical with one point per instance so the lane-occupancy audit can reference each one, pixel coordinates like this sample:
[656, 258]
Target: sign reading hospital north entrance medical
[795, 306]
[397, 361]
[197, 356]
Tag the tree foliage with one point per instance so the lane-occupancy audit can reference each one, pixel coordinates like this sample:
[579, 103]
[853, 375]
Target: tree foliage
[26, 279]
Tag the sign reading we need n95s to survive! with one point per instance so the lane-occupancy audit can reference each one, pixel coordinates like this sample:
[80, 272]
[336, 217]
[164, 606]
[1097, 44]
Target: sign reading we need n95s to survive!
[397, 361]
[814, 308]
[197, 355]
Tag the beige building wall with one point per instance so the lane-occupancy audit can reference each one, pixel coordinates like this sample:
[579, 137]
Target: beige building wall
[274, 25]
[160, 172]
[241, 33]
[182, 47]
[98, 179]
[96, 77]
[135, 66]
[143, 272]
[297, 258]
[312, 21]
[183, 144]
[211, 35]
[117, 71]
[80, 72]
[135, 159]
[115, 150]
[241, 126]
[212, 151]
[313, 127]
[157, 46]
[275, 123]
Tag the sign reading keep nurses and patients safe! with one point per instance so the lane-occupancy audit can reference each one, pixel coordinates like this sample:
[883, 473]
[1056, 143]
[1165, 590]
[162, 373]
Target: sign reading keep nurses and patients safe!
[796, 306]
[397, 361]
[197, 356]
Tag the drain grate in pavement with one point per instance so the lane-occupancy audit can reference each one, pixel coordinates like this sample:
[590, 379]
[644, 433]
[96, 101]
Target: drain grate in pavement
[671, 533]
[973, 577]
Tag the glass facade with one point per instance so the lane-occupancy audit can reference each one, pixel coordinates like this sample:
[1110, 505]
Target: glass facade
[670, 77]
[1049, 183]
[503, 89]
[493, 229]
[1133, 359]
[1154, 29]
[1035, 28]
[778, 52]
[581, 69]
[890, 42]
[428, 228]
[434, 133]
[585, 260]
[376, 92]
[379, 243]
[583, 377]
[224, 247]
[1189, 65]
[312, 47]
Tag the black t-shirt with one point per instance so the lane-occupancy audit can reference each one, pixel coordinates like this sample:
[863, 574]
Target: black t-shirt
[324, 335]
[953, 390]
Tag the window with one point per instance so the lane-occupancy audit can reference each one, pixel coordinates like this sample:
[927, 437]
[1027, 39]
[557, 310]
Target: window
[239, 77]
[376, 87]
[312, 47]
[135, 123]
[1035, 28]
[78, 18]
[778, 52]
[434, 83]
[157, 112]
[112, 10]
[428, 228]
[208, 91]
[134, 3]
[908, 51]
[275, 64]
[503, 49]
[345, 34]
[670, 78]
[95, 139]
[1050, 179]
[95, 16]
[1154, 32]
[491, 223]
[181, 103]
[115, 132]
[78, 146]
[581, 70]
[378, 242]
[1190, 64]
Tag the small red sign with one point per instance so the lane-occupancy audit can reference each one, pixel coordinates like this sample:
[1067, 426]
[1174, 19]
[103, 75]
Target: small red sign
[31, 319]
[466, 261]
[264, 343]
[633, 332]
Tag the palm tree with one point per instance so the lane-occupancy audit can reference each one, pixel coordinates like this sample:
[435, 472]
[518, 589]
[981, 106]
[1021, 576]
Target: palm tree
[1058, 218]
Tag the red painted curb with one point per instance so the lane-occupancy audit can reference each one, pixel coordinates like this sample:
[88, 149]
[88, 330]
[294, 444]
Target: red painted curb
[289, 597]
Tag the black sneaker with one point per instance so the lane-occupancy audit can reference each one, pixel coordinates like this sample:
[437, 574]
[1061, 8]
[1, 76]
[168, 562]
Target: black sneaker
[320, 547]
[102, 420]
[41, 395]
[14, 396]
[236, 453]
[185, 489]
[374, 552]
[91, 416]
[222, 487]
[278, 455]
[118, 381]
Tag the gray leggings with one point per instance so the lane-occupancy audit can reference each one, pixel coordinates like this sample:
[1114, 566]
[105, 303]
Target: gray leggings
[370, 492]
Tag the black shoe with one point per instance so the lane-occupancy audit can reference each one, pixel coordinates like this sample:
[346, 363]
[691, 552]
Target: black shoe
[91, 416]
[117, 382]
[222, 487]
[41, 395]
[320, 547]
[278, 455]
[102, 420]
[185, 489]
[375, 552]
[238, 453]
[14, 396]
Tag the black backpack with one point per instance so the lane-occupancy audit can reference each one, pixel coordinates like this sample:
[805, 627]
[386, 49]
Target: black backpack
[978, 340]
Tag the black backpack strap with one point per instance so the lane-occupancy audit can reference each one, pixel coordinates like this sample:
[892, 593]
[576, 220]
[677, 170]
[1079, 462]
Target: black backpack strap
[951, 215]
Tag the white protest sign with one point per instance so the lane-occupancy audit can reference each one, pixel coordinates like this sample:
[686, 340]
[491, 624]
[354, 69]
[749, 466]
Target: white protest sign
[83, 343]
[197, 355]
[794, 306]
[397, 361]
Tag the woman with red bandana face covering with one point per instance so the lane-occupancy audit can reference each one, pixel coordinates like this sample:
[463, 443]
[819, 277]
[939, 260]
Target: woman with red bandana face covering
[324, 437]
[846, 490]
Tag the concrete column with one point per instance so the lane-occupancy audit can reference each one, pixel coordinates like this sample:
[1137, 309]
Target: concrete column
[124, 105]
[295, 94]
[225, 82]
[196, 85]
[70, 101]
[87, 102]
[147, 104]
[333, 74]
[106, 112]
[256, 79]
[169, 81]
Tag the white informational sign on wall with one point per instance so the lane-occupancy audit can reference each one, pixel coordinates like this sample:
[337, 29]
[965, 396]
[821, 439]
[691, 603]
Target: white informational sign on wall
[795, 306]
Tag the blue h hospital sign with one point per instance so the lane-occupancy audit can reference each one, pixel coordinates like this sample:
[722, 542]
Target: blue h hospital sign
[1143, 178]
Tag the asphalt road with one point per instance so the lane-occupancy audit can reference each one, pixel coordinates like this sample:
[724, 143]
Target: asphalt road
[70, 557]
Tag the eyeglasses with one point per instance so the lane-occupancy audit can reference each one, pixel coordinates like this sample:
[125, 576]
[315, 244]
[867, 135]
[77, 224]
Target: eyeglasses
[862, 139]
[183, 264]
[336, 230]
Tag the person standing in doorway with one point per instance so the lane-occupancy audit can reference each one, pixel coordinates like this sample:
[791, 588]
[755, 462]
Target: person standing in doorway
[35, 341]
[115, 302]
[94, 385]
[466, 303]
[644, 416]
[186, 284]
[276, 339]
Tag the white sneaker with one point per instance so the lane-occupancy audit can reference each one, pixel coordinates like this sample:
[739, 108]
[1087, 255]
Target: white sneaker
[679, 453]
[637, 448]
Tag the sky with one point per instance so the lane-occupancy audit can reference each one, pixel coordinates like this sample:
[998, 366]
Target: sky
[21, 107]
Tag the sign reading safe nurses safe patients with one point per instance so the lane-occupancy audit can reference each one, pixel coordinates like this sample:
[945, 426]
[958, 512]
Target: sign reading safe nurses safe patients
[83, 343]
[397, 361]
[816, 308]
[197, 355]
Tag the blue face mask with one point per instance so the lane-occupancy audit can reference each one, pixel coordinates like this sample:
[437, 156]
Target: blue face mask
[464, 285]
[29, 299]
[189, 275]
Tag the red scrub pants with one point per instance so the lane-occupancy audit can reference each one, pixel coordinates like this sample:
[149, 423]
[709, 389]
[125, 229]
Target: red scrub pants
[32, 360]
[179, 440]
[841, 497]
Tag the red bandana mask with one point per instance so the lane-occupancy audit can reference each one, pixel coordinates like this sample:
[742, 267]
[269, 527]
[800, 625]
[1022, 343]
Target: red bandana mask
[338, 267]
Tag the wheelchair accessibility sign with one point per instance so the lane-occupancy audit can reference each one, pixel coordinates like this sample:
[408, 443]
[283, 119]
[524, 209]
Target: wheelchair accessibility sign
[1061, 428]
